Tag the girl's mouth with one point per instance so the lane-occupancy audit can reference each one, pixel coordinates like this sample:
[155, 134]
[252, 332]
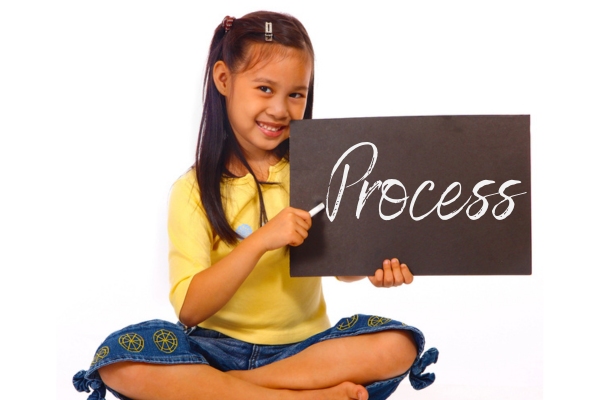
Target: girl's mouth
[270, 130]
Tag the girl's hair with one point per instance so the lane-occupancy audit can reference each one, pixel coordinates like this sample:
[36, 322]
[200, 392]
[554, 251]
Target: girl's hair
[217, 144]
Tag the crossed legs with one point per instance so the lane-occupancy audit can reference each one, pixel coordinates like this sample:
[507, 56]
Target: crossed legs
[332, 369]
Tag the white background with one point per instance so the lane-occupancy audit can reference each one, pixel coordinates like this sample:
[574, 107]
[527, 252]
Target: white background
[99, 111]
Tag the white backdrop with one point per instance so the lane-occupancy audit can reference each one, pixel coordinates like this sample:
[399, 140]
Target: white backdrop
[100, 106]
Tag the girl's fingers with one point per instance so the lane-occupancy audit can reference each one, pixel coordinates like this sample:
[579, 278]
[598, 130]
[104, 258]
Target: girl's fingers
[297, 236]
[388, 275]
[303, 223]
[396, 271]
[302, 233]
[377, 278]
[392, 273]
[408, 276]
[289, 227]
[304, 215]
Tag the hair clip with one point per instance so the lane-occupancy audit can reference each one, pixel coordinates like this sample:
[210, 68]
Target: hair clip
[227, 23]
[268, 32]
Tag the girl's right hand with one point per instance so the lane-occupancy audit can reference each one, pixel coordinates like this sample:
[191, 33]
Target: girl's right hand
[211, 288]
[289, 227]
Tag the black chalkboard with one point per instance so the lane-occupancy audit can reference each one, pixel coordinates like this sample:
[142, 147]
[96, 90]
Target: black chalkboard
[417, 159]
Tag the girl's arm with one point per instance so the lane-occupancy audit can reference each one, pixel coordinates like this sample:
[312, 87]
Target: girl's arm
[211, 288]
[392, 273]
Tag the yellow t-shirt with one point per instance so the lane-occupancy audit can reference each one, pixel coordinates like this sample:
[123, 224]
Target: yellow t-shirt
[269, 307]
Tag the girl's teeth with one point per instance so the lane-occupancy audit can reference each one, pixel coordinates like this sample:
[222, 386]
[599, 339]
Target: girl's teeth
[269, 128]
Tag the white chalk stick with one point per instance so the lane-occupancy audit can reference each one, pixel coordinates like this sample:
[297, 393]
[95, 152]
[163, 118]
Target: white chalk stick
[315, 210]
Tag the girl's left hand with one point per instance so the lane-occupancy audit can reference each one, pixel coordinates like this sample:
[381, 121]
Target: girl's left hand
[391, 274]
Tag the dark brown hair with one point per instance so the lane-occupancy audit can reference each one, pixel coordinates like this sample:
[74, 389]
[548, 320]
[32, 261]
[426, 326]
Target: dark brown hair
[216, 142]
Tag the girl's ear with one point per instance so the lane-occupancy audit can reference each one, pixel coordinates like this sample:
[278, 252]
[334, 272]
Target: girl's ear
[222, 77]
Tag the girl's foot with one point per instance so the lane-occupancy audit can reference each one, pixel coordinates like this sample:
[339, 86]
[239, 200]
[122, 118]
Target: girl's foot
[343, 391]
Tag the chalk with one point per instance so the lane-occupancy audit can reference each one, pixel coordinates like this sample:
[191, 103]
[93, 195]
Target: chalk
[315, 210]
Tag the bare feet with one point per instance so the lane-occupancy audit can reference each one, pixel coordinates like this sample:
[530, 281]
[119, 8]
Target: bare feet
[343, 391]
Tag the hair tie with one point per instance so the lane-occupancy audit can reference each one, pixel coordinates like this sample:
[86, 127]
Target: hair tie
[227, 23]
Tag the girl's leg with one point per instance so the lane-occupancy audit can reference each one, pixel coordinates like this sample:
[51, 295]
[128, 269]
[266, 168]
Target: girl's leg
[197, 381]
[361, 359]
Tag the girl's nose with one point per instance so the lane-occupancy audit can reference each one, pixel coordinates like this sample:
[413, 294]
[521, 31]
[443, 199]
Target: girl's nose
[278, 109]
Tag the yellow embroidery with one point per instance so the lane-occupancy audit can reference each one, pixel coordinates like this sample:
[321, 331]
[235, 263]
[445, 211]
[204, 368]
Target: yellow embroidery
[376, 321]
[100, 354]
[166, 341]
[132, 342]
[347, 323]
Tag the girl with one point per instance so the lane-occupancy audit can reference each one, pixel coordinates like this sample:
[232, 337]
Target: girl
[247, 330]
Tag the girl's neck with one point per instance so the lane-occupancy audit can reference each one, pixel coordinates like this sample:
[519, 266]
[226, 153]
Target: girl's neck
[260, 165]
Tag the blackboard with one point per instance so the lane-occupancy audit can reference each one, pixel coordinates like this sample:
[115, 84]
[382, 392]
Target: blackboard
[403, 166]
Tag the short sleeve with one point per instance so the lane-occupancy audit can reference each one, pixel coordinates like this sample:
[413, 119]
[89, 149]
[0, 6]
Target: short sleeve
[190, 238]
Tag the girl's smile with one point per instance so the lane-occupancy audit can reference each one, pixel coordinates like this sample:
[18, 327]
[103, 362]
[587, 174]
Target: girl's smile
[262, 100]
[270, 129]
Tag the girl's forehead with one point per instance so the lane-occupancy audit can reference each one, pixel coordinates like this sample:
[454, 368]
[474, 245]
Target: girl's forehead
[261, 55]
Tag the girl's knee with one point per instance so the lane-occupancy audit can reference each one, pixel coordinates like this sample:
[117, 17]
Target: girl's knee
[398, 350]
[121, 374]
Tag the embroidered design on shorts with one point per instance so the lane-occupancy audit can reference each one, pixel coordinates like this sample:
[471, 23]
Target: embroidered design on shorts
[132, 342]
[166, 341]
[347, 323]
[100, 354]
[377, 321]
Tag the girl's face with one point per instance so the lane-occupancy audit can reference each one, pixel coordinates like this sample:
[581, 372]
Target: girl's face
[262, 100]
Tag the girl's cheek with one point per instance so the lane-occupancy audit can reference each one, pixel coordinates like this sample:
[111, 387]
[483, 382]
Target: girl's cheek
[299, 111]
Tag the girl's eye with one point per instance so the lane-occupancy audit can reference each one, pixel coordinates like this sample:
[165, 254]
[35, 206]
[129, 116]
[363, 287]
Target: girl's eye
[265, 89]
[296, 95]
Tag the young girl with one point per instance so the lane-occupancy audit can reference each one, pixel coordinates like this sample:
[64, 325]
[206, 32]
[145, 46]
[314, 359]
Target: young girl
[247, 330]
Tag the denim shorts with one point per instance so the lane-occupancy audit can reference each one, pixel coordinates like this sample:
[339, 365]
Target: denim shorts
[162, 342]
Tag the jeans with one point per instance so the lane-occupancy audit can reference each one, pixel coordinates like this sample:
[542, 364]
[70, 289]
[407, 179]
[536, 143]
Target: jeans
[161, 342]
